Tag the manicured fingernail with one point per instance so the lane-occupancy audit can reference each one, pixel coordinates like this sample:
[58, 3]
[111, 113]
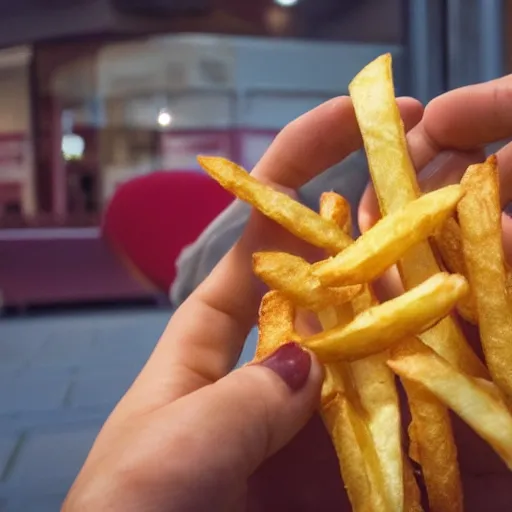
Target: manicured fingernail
[291, 363]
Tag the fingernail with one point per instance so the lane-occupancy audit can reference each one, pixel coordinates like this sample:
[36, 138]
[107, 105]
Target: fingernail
[291, 363]
[435, 165]
[446, 169]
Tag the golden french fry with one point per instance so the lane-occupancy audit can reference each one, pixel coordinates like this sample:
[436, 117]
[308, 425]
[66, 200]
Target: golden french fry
[449, 244]
[395, 183]
[336, 208]
[378, 117]
[389, 239]
[382, 326]
[293, 277]
[275, 324]
[354, 447]
[380, 400]
[448, 241]
[480, 222]
[295, 217]
[345, 420]
[481, 408]
[412, 495]
[433, 446]
[371, 386]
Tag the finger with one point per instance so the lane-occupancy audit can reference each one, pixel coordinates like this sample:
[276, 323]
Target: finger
[446, 168]
[238, 422]
[205, 336]
[471, 116]
[462, 121]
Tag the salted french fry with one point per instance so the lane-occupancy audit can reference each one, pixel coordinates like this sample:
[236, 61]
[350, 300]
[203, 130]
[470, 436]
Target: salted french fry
[395, 183]
[354, 448]
[481, 408]
[378, 328]
[412, 494]
[295, 217]
[293, 277]
[379, 398]
[389, 239]
[336, 208]
[448, 241]
[449, 244]
[433, 446]
[345, 420]
[371, 387]
[480, 222]
[275, 324]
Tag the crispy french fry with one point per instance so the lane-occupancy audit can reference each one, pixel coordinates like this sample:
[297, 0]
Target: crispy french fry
[448, 241]
[293, 277]
[373, 385]
[275, 324]
[388, 240]
[336, 208]
[480, 221]
[345, 420]
[354, 448]
[295, 217]
[470, 398]
[379, 398]
[380, 327]
[432, 441]
[449, 244]
[395, 183]
[391, 168]
[412, 495]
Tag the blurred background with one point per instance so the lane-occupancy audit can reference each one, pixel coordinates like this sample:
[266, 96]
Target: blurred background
[98, 95]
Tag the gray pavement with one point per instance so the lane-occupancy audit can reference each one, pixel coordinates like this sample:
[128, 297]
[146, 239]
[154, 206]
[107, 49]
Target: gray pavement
[60, 376]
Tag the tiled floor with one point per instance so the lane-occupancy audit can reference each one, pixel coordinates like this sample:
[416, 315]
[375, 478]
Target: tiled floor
[60, 376]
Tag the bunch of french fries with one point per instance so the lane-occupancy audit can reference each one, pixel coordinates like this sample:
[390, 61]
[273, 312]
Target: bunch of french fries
[364, 344]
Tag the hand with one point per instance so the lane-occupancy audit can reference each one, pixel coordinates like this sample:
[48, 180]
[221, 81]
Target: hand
[188, 435]
[452, 134]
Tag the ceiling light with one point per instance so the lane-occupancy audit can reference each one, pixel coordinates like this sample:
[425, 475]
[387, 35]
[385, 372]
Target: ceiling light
[164, 118]
[286, 3]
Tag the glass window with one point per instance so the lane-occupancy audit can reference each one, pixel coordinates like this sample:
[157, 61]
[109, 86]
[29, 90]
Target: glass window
[109, 109]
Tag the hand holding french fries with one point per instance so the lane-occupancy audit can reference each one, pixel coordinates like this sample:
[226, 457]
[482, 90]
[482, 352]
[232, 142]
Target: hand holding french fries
[415, 336]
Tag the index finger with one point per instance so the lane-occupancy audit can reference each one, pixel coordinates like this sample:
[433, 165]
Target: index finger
[456, 126]
[471, 116]
[204, 337]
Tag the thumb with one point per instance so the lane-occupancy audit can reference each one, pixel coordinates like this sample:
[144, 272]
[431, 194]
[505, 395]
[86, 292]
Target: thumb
[254, 411]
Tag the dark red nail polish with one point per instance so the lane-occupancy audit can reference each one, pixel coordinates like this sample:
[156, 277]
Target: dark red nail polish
[291, 363]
